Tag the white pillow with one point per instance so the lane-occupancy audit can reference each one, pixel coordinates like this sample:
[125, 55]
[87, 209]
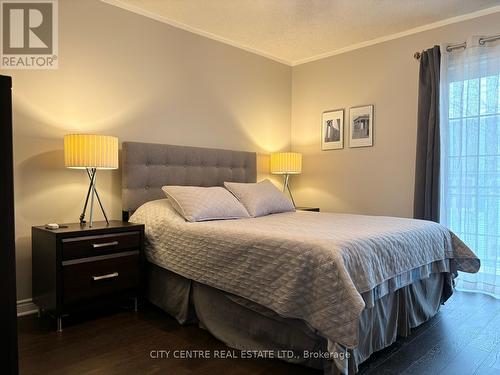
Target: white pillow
[204, 203]
[262, 198]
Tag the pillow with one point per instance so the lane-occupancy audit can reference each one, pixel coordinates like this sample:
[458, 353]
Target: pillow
[262, 198]
[204, 203]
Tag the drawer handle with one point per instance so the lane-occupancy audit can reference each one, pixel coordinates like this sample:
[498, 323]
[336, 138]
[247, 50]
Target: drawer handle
[104, 277]
[105, 244]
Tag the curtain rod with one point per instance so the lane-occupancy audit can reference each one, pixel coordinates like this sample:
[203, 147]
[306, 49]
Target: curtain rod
[452, 47]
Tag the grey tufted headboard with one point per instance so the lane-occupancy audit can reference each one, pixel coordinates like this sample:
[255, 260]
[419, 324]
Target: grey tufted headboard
[146, 167]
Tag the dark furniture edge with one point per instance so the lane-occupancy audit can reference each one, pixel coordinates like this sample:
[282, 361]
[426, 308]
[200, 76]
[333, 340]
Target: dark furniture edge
[8, 308]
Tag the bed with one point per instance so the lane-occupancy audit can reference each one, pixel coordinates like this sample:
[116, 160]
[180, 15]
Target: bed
[324, 290]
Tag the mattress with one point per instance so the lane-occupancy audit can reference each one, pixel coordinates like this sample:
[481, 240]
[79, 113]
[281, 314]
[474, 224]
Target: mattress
[321, 268]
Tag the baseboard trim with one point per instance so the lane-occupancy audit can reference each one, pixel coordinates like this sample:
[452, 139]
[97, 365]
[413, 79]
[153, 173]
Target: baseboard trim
[26, 307]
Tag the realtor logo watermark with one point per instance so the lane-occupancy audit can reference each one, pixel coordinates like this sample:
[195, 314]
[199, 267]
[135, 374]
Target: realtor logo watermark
[29, 37]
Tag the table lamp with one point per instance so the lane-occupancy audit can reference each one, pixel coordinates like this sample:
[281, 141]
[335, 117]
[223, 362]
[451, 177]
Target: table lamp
[286, 163]
[91, 152]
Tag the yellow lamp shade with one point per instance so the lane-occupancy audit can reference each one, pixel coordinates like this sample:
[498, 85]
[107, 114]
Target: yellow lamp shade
[90, 151]
[286, 163]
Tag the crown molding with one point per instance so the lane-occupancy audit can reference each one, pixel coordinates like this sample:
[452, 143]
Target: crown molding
[416, 30]
[194, 30]
[206, 34]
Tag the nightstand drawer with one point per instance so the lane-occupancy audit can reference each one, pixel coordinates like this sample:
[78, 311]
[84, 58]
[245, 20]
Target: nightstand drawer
[89, 246]
[92, 277]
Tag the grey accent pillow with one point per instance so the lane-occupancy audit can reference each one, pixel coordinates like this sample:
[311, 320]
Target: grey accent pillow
[204, 203]
[261, 198]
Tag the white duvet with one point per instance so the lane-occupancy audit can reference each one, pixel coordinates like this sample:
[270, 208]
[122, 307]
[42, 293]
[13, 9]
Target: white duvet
[307, 265]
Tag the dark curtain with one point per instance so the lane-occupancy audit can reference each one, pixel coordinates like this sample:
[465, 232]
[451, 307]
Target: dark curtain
[426, 202]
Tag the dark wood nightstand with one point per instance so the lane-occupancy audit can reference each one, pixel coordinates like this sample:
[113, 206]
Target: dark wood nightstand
[315, 209]
[75, 264]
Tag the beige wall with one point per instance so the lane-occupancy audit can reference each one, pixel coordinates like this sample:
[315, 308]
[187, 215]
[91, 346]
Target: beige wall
[374, 180]
[126, 75]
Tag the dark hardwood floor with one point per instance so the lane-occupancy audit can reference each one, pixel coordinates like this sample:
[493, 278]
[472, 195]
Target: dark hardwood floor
[463, 338]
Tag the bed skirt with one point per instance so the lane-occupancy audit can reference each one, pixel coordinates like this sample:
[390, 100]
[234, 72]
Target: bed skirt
[244, 325]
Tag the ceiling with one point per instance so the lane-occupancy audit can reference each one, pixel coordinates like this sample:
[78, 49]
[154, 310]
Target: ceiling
[296, 31]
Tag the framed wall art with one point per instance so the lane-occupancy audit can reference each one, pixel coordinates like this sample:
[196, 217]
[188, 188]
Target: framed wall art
[332, 130]
[361, 126]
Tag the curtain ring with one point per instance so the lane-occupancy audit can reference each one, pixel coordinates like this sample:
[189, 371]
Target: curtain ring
[482, 42]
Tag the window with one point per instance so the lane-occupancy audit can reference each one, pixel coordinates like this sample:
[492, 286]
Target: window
[470, 157]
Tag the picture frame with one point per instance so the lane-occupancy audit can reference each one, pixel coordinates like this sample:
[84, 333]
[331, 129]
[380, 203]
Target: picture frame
[332, 129]
[361, 126]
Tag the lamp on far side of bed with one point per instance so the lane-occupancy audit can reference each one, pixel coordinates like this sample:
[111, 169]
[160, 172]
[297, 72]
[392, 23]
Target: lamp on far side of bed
[91, 152]
[286, 164]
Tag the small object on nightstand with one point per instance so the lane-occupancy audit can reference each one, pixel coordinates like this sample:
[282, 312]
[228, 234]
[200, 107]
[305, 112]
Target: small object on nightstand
[314, 209]
[52, 226]
[76, 265]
